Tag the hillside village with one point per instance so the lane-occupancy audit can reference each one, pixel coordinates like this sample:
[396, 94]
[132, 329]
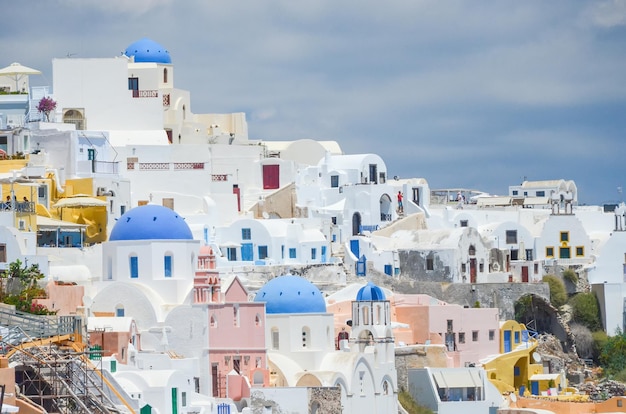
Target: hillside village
[190, 268]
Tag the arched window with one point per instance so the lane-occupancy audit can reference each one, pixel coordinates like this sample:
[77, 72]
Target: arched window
[184, 113]
[472, 250]
[366, 315]
[164, 75]
[213, 321]
[257, 320]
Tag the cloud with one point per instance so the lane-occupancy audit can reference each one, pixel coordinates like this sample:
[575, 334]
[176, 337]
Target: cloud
[608, 13]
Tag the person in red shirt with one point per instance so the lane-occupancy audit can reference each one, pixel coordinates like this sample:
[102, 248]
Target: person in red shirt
[400, 207]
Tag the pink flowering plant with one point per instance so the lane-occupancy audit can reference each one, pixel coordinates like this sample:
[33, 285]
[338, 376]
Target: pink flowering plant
[47, 105]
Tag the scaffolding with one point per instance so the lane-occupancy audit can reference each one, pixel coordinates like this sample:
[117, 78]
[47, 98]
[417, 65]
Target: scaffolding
[53, 369]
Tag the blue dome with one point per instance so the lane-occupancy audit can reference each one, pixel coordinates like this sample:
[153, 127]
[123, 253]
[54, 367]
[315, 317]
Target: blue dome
[370, 292]
[149, 222]
[146, 50]
[291, 294]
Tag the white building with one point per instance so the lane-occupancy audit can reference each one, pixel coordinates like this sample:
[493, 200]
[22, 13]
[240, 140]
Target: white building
[301, 344]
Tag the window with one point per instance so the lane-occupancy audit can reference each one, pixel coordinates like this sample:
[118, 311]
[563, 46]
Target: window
[246, 234]
[262, 252]
[164, 75]
[564, 253]
[213, 321]
[463, 268]
[474, 336]
[492, 334]
[515, 192]
[333, 220]
[580, 251]
[481, 267]
[516, 337]
[275, 338]
[231, 254]
[430, 264]
[3, 253]
[313, 253]
[529, 254]
[514, 254]
[550, 252]
[119, 311]
[282, 251]
[334, 181]
[382, 178]
[237, 364]
[306, 337]
[511, 237]
[292, 252]
[449, 324]
[525, 193]
[565, 236]
[541, 193]
[461, 337]
[133, 84]
[134, 267]
[236, 315]
[167, 264]
[464, 223]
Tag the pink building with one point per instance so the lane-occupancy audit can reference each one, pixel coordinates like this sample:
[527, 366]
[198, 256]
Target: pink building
[469, 334]
[237, 352]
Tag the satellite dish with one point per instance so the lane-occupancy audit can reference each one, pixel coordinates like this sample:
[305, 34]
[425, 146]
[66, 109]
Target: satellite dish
[513, 397]
[536, 357]
[265, 215]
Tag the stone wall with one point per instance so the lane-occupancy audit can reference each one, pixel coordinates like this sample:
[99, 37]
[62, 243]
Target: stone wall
[418, 356]
[487, 295]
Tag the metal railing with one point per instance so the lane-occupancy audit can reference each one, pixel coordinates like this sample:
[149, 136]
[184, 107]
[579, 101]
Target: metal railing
[37, 326]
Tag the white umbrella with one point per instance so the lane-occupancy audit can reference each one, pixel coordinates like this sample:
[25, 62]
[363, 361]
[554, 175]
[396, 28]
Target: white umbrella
[16, 72]
[80, 202]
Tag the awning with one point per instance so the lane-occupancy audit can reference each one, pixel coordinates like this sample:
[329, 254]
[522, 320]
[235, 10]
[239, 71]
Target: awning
[457, 379]
[545, 377]
[493, 201]
[532, 201]
[49, 224]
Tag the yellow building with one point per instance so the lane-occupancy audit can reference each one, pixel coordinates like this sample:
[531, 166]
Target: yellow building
[518, 367]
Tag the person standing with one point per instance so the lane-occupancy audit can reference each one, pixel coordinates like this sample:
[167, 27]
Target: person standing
[400, 206]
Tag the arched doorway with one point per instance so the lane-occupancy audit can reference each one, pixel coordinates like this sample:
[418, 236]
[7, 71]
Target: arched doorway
[385, 207]
[356, 224]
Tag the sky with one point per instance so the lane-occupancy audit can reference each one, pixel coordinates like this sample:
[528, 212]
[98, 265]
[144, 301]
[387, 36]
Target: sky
[464, 93]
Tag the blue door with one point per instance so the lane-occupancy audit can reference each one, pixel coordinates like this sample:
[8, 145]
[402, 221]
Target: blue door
[388, 269]
[247, 253]
[534, 387]
[323, 254]
[354, 247]
[360, 266]
[507, 341]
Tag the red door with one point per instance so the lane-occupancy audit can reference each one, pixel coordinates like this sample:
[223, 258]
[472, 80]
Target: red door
[524, 274]
[473, 270]
[270, 177]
